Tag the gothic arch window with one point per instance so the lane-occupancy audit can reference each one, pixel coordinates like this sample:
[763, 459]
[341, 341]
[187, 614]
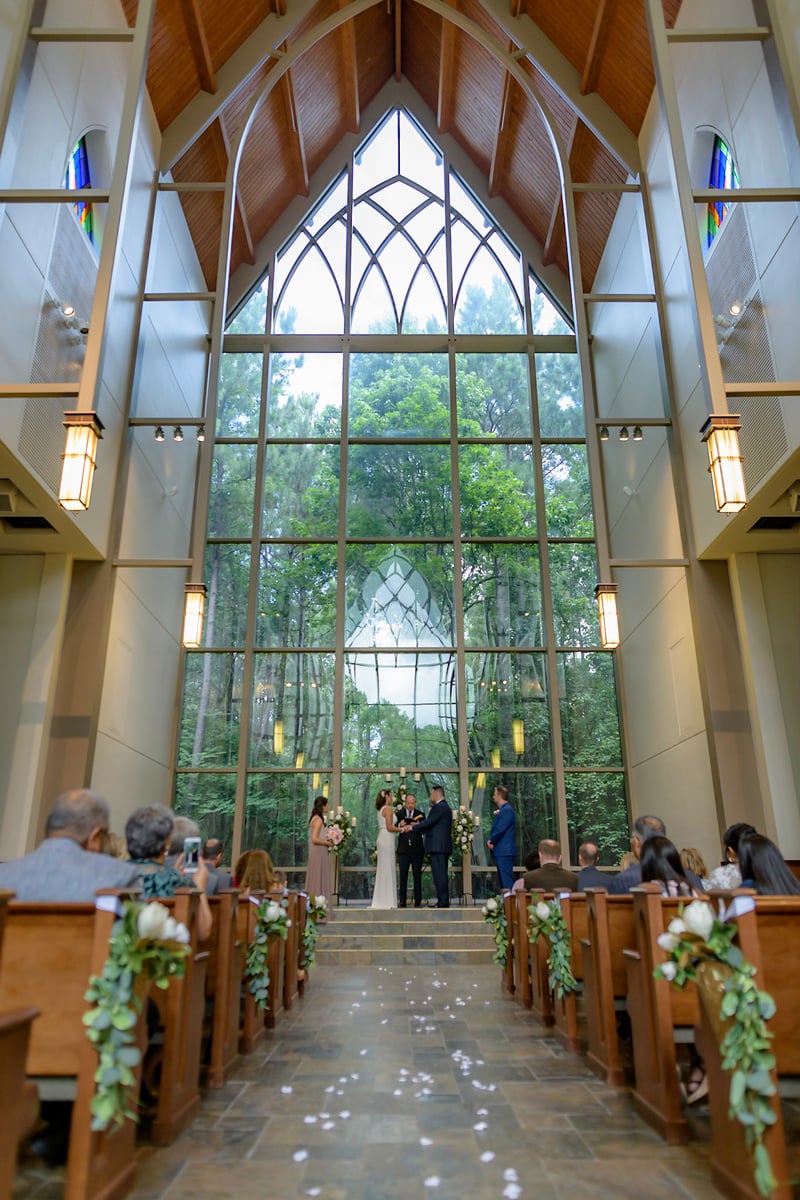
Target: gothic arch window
[78, 175]
[400, 480]
[724, 175]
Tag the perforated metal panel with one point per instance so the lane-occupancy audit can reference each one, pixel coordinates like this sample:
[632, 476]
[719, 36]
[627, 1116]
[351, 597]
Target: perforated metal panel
[745, 353]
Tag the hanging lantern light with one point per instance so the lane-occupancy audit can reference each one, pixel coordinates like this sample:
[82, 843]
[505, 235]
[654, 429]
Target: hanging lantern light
[84, 430]
[277, 737]
[518, 735]
[606, 595]
[721, 435]
[194, 605]
[494, 757]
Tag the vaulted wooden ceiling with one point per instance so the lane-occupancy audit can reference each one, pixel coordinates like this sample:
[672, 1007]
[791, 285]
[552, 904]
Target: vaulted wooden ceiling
[590, 61]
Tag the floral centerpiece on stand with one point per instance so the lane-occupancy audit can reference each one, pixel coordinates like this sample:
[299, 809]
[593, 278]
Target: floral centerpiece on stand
[545, 918]
[316, 911]
[146, 946]
[464, 825]
[341, 827]
[494, 914]
[271, 918]
[699, 946]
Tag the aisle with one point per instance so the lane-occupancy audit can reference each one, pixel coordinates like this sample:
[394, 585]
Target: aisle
[402, 1082]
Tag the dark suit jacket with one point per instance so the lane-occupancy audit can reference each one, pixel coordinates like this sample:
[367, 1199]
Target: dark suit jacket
[503, 832]
[409, 843]
[552, 878]
[60, 870]
[591, 877]
[438, 829]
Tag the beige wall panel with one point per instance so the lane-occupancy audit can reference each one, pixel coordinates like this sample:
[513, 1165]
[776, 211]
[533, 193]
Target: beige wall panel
[780, 578]
[676, 786]
[779, 288]
[644, 520]
[127, 779]
[158, 509]
[20, 319]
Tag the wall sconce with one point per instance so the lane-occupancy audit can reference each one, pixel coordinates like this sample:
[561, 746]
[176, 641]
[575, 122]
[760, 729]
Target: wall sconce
[159, 434]
[84, 430]
[623, 433]
[603, 433]
[494, 757]
[277, 737]
[518, 735]
[299, 759]
[201, 433]
[721, 435]
[194, 605]
[178, 434]
[637, 433]
[606, 596]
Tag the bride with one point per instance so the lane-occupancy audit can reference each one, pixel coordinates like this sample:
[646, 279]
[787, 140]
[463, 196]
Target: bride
[385, 893]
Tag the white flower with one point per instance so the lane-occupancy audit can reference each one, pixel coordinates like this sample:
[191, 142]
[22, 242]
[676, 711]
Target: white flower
[320, 902]
[699, 918]
[669, 970]
[273, 911]
[676, 926]
[490, 906]
[181, 933]
[667, 941]
[543, 911]
[169, 930]
[152, 919]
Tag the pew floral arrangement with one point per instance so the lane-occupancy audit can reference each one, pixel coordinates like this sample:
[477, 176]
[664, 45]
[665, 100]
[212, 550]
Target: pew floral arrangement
[146, 946]
[699, 946]
[271, 917]
[341, 827]
[495, 916]
[545, 918]
[464, 825]
[316, 911]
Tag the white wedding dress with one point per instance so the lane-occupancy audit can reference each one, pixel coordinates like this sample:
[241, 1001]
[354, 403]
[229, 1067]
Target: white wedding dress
[385, 893]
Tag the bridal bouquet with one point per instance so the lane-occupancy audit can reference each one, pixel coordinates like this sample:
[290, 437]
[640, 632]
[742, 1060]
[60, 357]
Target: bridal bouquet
[341, 827]
[464, 825]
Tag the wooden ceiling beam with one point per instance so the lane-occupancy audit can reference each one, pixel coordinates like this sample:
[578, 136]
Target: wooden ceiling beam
[447, 53]
[555, 230]
[222, 148]
[198, 43]
[347, 40]
[502, 137]
[298, 142]
[594, 56]
[203, 110]
[598, 116]
[398, 40]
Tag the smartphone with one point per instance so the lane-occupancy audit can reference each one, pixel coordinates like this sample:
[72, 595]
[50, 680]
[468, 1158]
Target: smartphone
[191, 855]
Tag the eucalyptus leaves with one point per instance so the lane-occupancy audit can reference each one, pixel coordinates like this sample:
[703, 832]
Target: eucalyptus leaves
[317, 910]
[494, 915]
[696, 938]
[270, 918]
[146, 946]
[545, 917]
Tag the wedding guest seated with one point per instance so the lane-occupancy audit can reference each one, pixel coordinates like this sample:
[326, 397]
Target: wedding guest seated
[550, 875]
[213, 853]
[764, 868]
[589, 876]
[532, 863]
[147, 832]
[644, 828]
[627, 860]
[692, 860]
[69, 865]
[661, 863]
[239, 867]
[728, 874]
[258, 874]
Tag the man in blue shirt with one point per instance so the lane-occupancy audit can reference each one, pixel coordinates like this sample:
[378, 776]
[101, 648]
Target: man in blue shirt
[503, 839]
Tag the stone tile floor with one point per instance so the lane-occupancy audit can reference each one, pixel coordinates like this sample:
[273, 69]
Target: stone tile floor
[399, 1082]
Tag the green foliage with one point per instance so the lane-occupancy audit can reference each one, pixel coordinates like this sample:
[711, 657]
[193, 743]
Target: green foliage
[317, 910]
[494, 915]
[545, 919]
[271, 918]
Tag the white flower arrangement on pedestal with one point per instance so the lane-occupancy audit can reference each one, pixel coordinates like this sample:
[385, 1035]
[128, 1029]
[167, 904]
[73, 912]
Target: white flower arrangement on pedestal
[465, 823]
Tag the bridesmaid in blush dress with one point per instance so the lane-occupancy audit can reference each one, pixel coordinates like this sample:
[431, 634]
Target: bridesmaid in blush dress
[318, 875]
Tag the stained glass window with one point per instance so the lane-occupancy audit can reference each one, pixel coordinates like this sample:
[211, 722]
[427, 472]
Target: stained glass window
[725, 176]
[78, 176]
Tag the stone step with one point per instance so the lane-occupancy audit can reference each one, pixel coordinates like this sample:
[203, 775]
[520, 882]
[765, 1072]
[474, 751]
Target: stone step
[413, 936]
[365, 956]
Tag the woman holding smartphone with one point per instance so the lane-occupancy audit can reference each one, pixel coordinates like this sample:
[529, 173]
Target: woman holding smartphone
[147, 834]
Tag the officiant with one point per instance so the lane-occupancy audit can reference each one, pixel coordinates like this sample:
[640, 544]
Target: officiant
[410, 850]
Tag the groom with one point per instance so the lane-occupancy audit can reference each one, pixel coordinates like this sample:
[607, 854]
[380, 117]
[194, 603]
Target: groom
[410, 850]
[438, 827]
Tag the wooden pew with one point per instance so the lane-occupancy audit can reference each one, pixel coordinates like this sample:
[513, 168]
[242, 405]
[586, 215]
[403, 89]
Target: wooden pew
[541, 998]
[172, 1068]
[509, 909]
[292, 952]
[21, 1096]
[565, 1008]
[609, 931]
[769, 938]
[49, 953]
[223, 986]
[302, 917]
[252, 1027]
[660, 1014]
[522, 966]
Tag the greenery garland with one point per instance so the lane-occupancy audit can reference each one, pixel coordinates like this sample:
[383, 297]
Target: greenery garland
[146, 944]
[698, 936]
[545, 917]
[317, 910]
[494, 915]
[270, 918]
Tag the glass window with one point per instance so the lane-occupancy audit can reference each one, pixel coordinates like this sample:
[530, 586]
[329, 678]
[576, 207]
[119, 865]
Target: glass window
[508, 719]
[567, 498]
[502, 595]
[227, 575]
[493, 395]
[589, 724]
[299, 482]
[296, 595]
[573, 577]
[292, 715]
[597, 811]
[77, 176]
[399, 596]
[396, 396]
[560, 396]
[305, 396]
[724, 175]
[239, 395]
[233, 482]
[212, 697]
[399, 491]
[497, 490]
